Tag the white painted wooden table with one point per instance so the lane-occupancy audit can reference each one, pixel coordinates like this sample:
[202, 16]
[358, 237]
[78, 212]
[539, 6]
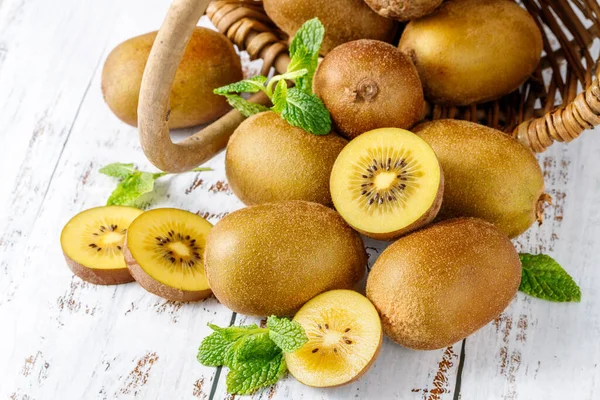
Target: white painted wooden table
[61, 338]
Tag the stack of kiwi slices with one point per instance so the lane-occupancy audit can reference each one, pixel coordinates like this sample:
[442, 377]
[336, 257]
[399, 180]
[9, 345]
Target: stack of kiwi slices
[161, 249]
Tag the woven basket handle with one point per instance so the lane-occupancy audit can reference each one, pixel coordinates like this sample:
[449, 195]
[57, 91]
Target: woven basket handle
[565, 123]
[153, 109]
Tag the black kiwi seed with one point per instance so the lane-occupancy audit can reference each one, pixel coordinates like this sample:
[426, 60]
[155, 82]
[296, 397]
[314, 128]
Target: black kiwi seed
[348, 341]
[347, 330]
[326, 326]
[370, 194]
[315, 350]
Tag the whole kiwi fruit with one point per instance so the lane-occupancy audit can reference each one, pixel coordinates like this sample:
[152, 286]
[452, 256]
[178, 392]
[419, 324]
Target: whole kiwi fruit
[270, 160]
[403, 10]
[270, 259]
[488, 175]
[436, 286]
[344, 20]
[209, 61]
[368, 84]
[473, 51]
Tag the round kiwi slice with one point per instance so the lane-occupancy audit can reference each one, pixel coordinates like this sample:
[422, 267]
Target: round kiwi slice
[387, 182]
[164, 251]
[344, 337]
[92, 242]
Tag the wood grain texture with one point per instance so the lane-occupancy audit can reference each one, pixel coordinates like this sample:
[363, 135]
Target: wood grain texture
[64, 338]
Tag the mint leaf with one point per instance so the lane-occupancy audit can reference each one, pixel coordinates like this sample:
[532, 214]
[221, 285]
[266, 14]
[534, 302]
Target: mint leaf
[304, 52]
[213, 349]
[133, 183]
[130, 188]
[288, 335]
[247, 108]
[291, 75]
[306, 111]
[280, 97]
[252, 375]
[253, 355]
[544, 278]
[251, 85]
[118, 170]
[308, 37]
[233, 333]
[228, 341]
[257, 346]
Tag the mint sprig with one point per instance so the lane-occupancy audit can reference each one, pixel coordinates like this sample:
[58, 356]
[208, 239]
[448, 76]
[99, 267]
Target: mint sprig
[133, 183]
[253, 355]
[299, 106]
[544, 278]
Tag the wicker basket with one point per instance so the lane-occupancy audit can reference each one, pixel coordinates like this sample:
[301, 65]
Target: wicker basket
[558, 102]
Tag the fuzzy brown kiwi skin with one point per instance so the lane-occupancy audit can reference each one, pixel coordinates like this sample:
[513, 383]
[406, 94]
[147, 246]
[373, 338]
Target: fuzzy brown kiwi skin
[256, 260]
[425, 219]
[99, 276]
[369, 84]
[257, 173]
[489, 175]
[445, 303]
[403, 10]
[209, 61]
[344, 20]
[157, 288]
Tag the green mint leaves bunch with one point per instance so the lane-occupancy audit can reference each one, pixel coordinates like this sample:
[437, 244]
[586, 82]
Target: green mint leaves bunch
[298, 105]
[544, 278]
[133, 183]
[253, 355]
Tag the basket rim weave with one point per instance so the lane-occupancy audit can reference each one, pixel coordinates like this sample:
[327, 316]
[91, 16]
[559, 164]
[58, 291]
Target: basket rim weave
[557, 103]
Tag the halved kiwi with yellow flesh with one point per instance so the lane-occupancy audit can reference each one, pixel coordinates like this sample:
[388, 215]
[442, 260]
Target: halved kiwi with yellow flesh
[344, 337]
[92, 242]
[386, 183]
[164, 251]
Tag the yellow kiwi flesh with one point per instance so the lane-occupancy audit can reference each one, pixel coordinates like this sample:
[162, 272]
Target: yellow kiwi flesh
[92, 243]
[164, 251]
[270, 259]
[344, 337]
[488, 175]
[436, 286]
[344, 20]
[369, 84]
[209, 62]
[269, 160]
[386, 183]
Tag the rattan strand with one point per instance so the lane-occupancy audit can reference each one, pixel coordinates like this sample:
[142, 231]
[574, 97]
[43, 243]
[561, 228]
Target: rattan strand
[548, 108]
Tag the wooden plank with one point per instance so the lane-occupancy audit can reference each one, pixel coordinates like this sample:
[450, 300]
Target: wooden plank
[69, 339]
[538, 349]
